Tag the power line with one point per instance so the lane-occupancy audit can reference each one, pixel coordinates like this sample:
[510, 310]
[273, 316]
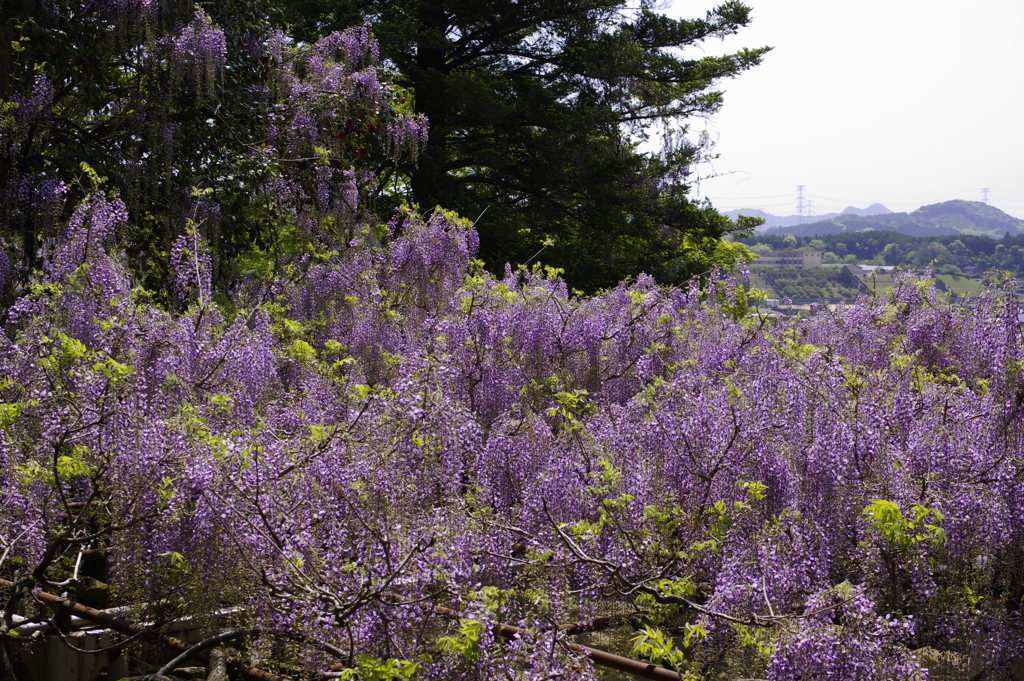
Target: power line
[883, 196]
[850, 201]
[754, 198]
[742, 206]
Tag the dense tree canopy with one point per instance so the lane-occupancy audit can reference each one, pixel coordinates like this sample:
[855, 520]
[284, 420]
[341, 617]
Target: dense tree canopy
[211, 115]
[951, 254]
[536, 110]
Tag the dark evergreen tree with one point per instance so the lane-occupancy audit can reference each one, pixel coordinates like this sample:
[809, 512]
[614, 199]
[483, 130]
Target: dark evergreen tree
[537, 111]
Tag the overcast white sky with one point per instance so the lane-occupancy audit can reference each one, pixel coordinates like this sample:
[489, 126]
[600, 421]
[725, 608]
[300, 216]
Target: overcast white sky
[901, 102]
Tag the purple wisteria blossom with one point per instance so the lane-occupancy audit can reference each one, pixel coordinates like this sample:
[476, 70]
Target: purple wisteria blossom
[192, 266]
[200, 51]
[396, 451]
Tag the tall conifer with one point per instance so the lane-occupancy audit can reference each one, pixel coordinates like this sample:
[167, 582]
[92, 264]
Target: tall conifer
[538, 111]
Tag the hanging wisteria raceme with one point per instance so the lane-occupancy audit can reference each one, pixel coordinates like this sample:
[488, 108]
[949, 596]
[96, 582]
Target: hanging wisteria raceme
[192, 267]
[33, 108]
[335, 112]
[5, 269]
[389, 434]
[200, 51]
[407, 135]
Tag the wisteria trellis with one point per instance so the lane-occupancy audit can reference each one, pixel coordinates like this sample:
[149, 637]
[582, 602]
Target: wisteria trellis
[839, 495]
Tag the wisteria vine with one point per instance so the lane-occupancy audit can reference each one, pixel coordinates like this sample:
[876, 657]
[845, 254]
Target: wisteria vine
[390, 433]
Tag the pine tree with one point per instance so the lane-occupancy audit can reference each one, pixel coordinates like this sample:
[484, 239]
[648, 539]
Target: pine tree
[537, 113]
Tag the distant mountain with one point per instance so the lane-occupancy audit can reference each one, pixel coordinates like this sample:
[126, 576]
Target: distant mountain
[794, 220]
[873, 209]
[938, 219]
[971, 217]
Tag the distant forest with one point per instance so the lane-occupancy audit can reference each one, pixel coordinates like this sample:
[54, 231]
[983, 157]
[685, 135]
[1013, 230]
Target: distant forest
[945, 254]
